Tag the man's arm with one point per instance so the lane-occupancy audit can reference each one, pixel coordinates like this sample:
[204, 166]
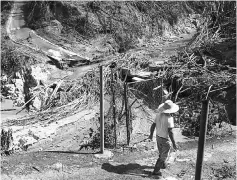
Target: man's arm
[171, 135]
[152, 129]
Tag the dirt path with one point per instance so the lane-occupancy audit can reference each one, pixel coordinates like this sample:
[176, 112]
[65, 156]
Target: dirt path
[19, 32]
[219, 163]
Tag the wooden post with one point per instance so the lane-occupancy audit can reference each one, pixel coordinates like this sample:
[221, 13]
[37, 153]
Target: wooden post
[162, 93]
[127, 112]
[101, 110]
[6, 141]
[114, 107]
[202, 139]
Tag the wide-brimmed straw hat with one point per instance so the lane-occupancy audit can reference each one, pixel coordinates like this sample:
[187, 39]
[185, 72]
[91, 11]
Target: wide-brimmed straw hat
[168, 107]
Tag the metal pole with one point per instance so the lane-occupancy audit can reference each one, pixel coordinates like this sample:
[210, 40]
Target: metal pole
[101, 110]
[202, 139]
[126, 109]
[114, 107]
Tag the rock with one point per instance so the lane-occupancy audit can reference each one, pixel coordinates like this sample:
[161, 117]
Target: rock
[54, 27]
[55, 54]
[36, 103]
[57, 166]
[107, 154]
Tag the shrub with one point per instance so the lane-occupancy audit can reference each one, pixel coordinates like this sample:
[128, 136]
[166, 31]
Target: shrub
[108, 136]
[11, 61]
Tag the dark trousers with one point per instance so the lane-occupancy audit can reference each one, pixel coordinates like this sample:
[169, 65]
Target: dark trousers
[164, 147]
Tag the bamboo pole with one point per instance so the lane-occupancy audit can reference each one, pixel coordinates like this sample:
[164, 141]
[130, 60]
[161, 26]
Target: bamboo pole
[101, 110]
[202, 139]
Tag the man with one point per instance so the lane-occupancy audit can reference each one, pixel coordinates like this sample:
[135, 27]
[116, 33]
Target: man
[164, 123]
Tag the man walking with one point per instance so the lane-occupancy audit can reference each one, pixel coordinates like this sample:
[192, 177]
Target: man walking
[164, 123]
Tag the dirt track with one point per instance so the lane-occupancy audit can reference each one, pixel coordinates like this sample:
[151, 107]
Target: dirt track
[219, 153]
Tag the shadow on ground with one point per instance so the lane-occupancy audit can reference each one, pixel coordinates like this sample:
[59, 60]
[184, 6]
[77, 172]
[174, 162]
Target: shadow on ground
[72, 152]
[131, 169]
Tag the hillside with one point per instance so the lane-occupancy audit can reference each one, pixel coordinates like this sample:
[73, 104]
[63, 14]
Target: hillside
[51, 51]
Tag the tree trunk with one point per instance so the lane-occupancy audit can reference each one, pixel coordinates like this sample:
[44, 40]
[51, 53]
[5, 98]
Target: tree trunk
[6, 141]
